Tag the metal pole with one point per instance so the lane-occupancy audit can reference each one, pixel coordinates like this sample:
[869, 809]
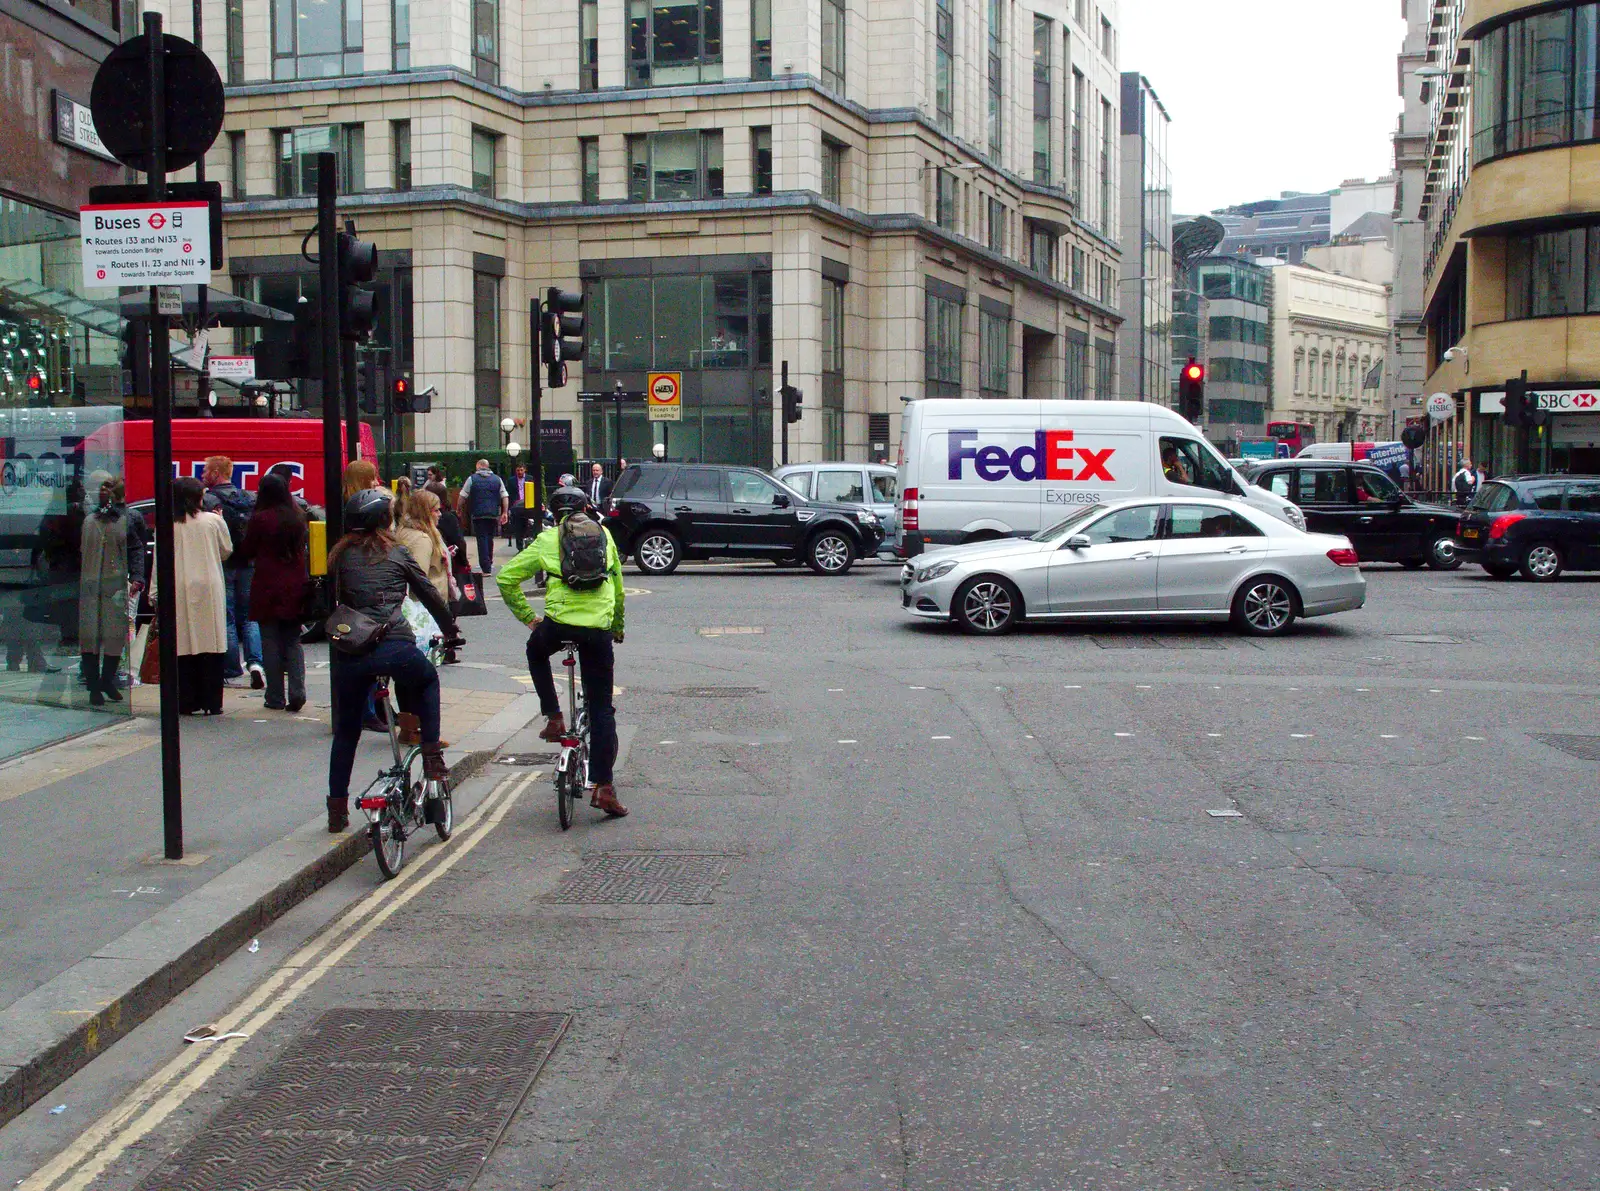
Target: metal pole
[328, 297]
[536, 416]
[783, 411]
[202, 314]
[352, 400]
[161, 449]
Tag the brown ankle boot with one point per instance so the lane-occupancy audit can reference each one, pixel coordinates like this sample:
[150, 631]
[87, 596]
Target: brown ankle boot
[434, 768]
[409, 728]
[605, 799]
[555, 728]
[338, 816]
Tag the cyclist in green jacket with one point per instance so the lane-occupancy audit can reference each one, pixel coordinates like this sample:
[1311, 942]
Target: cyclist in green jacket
[591, 617]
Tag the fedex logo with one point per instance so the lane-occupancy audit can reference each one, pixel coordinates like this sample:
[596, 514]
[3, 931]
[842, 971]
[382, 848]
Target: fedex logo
[1051, 457]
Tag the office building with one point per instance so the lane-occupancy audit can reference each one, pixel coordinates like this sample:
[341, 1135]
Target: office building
[1408, 343]
[1226, 312]
[1145, 340]
[1329, 336]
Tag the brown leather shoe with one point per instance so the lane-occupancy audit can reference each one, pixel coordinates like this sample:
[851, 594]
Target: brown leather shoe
[555, 728]
[434, 768]
[409, 727]
[605, 799]
[338, 816]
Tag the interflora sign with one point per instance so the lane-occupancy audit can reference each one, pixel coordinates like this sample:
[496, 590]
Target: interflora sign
[665, 390]
[146, 243]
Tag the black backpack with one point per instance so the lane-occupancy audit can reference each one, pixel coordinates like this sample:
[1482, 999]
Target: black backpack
[583, 552]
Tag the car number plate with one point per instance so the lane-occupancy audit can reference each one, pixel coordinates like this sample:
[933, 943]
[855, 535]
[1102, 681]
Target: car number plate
[1470, 533]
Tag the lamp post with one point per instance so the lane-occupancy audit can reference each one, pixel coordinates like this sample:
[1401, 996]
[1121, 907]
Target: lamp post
[507, 427]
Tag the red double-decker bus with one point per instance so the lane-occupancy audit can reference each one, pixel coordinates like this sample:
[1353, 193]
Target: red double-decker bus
[1294, 435]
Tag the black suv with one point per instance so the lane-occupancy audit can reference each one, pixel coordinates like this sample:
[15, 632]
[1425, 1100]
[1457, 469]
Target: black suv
[1361, 502]
[663, 513]
[1539, 525]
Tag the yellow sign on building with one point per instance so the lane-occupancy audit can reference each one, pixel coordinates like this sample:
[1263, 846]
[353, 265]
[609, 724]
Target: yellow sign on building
[665, 393]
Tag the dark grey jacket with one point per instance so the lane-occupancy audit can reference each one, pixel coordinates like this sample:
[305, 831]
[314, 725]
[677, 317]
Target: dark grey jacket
[377, 583]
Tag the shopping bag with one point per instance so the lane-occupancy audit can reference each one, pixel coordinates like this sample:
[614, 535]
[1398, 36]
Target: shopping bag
[472, 602]
[150, 664]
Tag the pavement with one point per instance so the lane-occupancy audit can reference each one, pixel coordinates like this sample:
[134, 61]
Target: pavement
[899, 907]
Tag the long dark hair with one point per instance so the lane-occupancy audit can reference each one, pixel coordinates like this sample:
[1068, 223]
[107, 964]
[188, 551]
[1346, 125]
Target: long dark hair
[289, 536]
[375, 542]
[187, 496]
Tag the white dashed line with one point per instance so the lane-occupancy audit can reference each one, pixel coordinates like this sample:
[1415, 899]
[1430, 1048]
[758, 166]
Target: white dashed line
[1388, 736]
[1142, 687]
[1300, 736]
[1474, 738]
[1073, 687]
[1214, 734]
[669, 742]
[1363, 690]
[849, 742]
[836, 690]
[1433, 690]
[1124, 733]
[919, 688]
[940, 738]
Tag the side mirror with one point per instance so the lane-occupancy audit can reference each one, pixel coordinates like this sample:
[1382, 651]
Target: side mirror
[1078, 541]
[781, 501]
[1397, 501]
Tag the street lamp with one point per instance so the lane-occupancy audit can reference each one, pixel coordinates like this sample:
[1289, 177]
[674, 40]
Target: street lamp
[507, 425]
[513, 448]
[659, 451]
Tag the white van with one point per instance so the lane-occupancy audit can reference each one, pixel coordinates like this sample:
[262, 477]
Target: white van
[976, 470]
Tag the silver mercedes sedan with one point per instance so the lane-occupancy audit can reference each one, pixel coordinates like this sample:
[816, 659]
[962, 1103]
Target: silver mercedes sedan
[1176, 559]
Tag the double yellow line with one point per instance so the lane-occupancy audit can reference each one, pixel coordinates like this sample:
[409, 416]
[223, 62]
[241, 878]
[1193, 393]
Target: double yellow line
[153, 1101]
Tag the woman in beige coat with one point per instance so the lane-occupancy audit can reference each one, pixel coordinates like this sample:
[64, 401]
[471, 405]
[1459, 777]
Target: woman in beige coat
[419, 533]
[200, 542]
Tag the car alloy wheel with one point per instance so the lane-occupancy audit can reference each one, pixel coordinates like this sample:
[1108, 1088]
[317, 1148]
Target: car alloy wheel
[831, 554]
[1442, 555]
[1266, 607]
[1542, 562]
[987, 606]
[657, 554]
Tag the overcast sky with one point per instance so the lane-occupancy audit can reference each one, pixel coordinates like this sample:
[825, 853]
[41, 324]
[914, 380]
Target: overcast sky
[1268, 95]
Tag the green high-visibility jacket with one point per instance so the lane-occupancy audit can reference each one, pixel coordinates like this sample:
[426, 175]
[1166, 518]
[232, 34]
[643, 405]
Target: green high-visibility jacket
[600, 608]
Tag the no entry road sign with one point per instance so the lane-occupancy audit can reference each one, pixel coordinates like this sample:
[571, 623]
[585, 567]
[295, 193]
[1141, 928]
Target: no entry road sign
[146, 243]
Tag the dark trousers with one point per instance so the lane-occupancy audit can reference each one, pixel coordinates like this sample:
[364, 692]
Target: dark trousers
[596, 661]
[285, 661]
[414, 677]
[484, 529]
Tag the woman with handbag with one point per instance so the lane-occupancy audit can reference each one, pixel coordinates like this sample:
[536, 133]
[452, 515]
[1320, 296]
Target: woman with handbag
[200, 541]
[371, 574]
[113, 564]
[275, 541]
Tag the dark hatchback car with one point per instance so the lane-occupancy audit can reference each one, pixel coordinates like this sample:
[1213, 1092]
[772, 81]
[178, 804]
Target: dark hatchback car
[1361, 502]
[664, 513]
[1539, 525]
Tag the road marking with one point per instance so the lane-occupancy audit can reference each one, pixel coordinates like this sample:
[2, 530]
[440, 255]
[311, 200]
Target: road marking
[1072, 687]
[941, 738]
[1474, 738]
[1213, 733]
[1124, 734]
[836, 690]
[919, 688]
[849, 742]
[1142, 688]
[1433, 690]
[1300, 736]
[1388, 736]
[1362, 690]
[163, 1093]
[669, 742]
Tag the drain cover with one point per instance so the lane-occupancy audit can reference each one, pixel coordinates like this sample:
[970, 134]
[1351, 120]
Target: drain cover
[1137, 642]
[717, 692]
[372, 1098]
[645, 879]
[1427, 639]
[1586, 747]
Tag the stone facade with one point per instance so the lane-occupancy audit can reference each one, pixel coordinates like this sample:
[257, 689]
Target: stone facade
[776, 175]
[1329, 332]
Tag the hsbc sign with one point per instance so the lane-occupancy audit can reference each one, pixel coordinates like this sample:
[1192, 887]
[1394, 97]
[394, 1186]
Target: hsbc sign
[1555, 401]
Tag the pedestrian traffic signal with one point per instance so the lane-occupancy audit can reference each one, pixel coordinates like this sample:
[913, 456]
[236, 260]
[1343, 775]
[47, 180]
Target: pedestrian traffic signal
[296, 358]
[358, 302]
[400, 395]
[1192, 391]
[793, 398]
[561, 332]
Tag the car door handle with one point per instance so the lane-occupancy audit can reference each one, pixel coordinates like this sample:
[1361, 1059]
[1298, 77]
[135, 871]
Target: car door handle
[742, 512]
[683, 508]
[1142, 557]
[1238, 550]
[1366, 521]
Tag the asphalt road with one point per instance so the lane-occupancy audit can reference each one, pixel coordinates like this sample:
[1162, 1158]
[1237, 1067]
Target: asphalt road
[978, 930]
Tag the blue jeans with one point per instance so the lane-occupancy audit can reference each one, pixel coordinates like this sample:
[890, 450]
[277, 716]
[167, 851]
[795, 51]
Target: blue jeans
[484, 529]
[414, 678]
[241, 630]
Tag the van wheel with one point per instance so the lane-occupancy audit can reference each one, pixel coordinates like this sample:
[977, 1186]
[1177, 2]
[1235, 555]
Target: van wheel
[1541, 562]
[657, 552]
[987, 606]
[1264, 607]
[831, 552]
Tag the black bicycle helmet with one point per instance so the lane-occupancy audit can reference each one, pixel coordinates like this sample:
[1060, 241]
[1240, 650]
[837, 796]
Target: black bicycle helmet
[368, 510]
[568, 500]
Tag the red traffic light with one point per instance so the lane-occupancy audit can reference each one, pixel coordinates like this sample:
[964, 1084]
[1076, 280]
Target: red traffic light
[401, 386]
[1195, 372]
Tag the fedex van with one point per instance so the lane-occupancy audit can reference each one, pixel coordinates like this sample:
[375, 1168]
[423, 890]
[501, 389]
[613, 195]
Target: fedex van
[976, 470]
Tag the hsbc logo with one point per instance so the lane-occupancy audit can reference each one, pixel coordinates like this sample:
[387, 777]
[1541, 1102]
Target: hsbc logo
[1052, 456]
[1585, 400]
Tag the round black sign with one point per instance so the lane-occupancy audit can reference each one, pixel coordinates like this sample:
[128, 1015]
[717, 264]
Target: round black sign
[120, 101]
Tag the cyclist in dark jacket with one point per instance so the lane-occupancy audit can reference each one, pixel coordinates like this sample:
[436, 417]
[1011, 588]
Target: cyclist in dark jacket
[370, 571]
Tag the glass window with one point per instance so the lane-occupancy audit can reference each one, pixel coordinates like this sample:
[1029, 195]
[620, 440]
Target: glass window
[400, 133]
[800, 481]
[994, 352]
[946, 203]
[675, 166]
[697, 483]
[761, 39]
[1137, 524]
[749, 488]
[996, 77]
[944, 37]
[1280, 483]
[400, 20]
[1546, 497]
[237, 165]
[843, 487]
[997, 226]
[1043, 98]
[1495, 498]
[235, 42]
[761, 160]
[942, 358]
[1203, 521]
[485, 40]
[297, 157]
[1553, 273]
[641, 483]
[1041, 249]
[674, 41]
[484, 150]
[833, 159]
[1186, 461]
[589, 167]
[833, 42]
[1076, 363]
[678, 310]
[1322, 486]
[832, 326]
[1105, 371]
[886, 488]
[486, 356]
[1583, 498]
[1056, 532]
[1374, 486]
[589, 45]
[313, 39]
[627, 326]
[726, 320]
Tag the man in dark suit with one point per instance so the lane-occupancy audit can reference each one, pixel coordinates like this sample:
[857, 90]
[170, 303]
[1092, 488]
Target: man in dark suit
[598, 488]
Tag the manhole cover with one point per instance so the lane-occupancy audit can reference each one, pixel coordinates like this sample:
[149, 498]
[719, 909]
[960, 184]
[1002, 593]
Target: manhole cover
[717, 692]
[645, 879]
[1427, 639]
[1586, 747]
[523, 758]
[378, 1098]
[1136, 642]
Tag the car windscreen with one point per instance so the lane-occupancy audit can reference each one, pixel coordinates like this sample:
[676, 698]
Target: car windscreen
[1495, 498]
[1059, 530]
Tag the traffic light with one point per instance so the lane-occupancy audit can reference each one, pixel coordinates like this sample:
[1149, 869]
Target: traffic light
[561, 331]
[792, 400]
[358, 303]
[400, 395]
[295, 358]
[1522, 407]
[1192, 391]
